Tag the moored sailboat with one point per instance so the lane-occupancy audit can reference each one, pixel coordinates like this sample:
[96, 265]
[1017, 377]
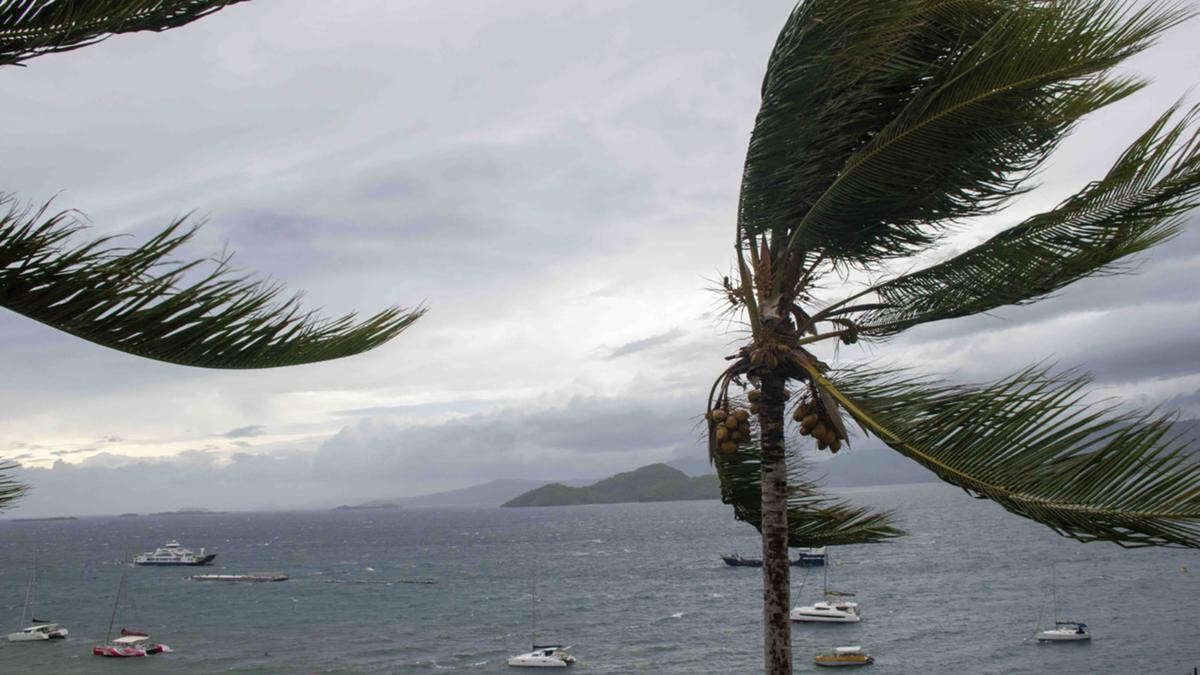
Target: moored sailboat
[131, 643]
[41, 630]
[542, 656]
[835, 608]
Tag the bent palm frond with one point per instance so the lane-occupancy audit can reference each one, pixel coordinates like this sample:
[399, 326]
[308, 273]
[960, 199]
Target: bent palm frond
[1028, 443]
[1136, 205]
[11, 489]
[999, 86]
[30, 28]
[140, 302]
[813, 519]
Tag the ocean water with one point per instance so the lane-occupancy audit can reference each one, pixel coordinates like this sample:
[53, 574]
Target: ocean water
[637, 588]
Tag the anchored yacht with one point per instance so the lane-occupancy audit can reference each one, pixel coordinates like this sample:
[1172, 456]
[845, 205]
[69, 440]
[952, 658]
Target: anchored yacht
[543, 656]
[173, 554]
[833, 609]
[38, 631]
[1065, 630]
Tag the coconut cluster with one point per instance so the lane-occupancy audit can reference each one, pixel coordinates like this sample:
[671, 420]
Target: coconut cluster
[729, 426]
[815, 421]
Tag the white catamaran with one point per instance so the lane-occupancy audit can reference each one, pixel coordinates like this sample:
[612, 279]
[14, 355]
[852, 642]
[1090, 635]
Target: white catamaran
[542, 656]
[1063, 631]
[837, 607]
[40, 630]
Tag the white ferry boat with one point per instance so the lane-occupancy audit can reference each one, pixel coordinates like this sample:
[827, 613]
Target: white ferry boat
[173, 554]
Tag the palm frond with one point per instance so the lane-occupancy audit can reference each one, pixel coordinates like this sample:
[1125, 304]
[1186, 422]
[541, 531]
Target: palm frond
[1029, 443]
[138, 301]
[10, 488]
[883, 122]
[30, 28]
[813, 519]
[1136, 205]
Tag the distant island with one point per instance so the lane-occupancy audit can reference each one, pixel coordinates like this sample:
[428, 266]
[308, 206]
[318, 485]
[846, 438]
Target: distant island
[189, 512]
[653, 483]
[361, 507]
[39, 520]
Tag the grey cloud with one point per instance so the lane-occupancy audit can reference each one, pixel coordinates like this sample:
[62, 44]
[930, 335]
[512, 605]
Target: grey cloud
[418, 408]
[646, 343]
[1137, 343]
[1187, 404]
[61, 453]
[587, 437]
[245, 432]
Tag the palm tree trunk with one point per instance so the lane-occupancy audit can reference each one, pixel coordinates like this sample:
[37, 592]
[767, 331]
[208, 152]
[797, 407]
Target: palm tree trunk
[777, 629]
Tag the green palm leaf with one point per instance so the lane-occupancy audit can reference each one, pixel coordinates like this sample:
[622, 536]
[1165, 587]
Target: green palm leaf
[30, 28]
[987, 91]
[1136, 205]
[10, 488]
[813, 519]
[140, 302]
[1029, 443]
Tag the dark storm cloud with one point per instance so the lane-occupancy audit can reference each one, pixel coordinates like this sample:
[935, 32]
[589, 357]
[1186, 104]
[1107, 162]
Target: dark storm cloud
[646, 343]
[519, 166]
[586, 432]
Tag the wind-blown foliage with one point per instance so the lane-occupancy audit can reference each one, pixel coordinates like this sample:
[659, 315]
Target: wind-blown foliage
[1136, 205]
[1028, 443]
[813, 519]
[10, 488]
[1009, 80]
[139, 301]
[883, 124]
[30, 28]
[900, 117]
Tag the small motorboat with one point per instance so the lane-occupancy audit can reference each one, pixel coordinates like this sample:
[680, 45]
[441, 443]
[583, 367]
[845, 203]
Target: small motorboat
[38, 631]
[833, 609]
[1065, 631]
[736, 560]
[842, 657]
[129, 646]
[543, 656]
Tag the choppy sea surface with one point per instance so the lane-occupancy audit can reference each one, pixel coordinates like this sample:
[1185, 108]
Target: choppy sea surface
[637, 588]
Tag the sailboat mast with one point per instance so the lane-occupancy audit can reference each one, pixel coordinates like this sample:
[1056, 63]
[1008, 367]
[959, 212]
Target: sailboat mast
[28, 594]
[825, 571]
[116, 603]
[532, 612]
[1054, 590]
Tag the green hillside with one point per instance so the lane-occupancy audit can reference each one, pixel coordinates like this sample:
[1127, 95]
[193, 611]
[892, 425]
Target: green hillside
[653, 483]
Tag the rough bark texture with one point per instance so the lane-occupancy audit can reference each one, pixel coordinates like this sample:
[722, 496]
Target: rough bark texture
[777, 628]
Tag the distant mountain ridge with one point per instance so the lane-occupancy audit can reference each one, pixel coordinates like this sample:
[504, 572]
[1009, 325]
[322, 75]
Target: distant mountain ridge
[652, 483]
[491, 493]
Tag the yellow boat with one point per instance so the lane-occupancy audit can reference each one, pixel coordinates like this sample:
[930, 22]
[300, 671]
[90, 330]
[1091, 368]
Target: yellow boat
[843, 657]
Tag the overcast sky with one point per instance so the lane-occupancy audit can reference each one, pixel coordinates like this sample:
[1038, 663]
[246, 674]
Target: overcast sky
[556, 180]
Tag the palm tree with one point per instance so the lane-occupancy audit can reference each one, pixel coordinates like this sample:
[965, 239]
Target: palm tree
[882, 124]
[139, 299]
